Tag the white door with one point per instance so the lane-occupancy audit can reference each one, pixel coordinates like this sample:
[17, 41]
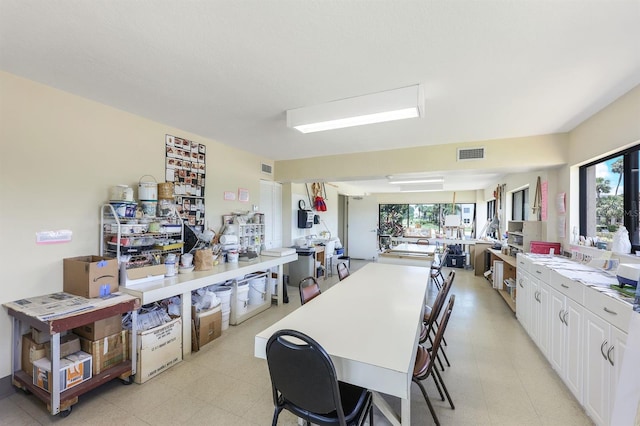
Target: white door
[271, 206]
[362, 228]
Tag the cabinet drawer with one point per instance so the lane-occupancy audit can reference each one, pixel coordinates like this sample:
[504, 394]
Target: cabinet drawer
[568, 287]
[614, 311]
[540, 272]
[523, 264]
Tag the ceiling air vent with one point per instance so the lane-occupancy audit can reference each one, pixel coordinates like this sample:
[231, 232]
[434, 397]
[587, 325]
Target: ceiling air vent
[266, 168]
[471, 154]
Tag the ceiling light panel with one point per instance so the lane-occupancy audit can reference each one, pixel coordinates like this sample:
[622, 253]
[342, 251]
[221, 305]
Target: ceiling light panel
[398, 104]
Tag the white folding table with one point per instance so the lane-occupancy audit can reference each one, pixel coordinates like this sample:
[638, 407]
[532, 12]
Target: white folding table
[369, 324]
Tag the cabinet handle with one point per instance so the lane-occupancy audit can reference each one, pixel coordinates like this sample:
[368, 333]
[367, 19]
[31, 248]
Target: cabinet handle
[538, 296]
[520, 283]
[602, 349]
[609, 355]
[538, 272]
[609, 312]
[566, 320]
[564, 286]
[560, 316]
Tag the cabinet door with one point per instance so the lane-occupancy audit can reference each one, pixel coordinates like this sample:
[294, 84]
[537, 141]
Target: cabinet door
[615, 355]
[557, 331]
[573, 371]
[596, 368]
[534, 319]
[544, 318]
[523, 303]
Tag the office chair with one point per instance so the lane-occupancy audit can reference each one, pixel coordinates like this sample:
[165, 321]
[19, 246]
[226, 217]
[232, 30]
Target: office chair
[343, 271]
[309, 289]
[425, 361]
[304, 382]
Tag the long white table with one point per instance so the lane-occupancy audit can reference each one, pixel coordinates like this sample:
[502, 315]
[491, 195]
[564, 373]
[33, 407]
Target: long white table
[369, 324]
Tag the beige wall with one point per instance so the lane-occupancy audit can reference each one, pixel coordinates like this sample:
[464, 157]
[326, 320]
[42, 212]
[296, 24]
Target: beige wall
[60, 155]
[535, 152]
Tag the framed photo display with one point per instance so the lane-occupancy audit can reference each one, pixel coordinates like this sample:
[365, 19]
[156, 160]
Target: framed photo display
[185, 166]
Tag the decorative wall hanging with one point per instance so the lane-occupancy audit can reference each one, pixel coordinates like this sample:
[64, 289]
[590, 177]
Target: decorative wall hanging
[186, 168]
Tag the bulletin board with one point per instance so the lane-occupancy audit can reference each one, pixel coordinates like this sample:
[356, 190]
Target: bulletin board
[186, 168]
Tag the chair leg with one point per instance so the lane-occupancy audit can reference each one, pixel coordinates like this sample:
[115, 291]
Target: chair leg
[444, 354]
[444, 341]
[445, 389]
[437, 386]
[426, 398]
[276, 413]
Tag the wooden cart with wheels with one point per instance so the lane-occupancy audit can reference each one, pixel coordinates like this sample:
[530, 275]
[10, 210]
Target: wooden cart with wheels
[58, 402]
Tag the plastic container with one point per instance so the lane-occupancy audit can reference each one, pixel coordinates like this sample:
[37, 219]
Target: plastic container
[225, 318]
[232, 257]
[224, 294]
[257, 290]
[242, 299]
[149, 208]
[147, 190]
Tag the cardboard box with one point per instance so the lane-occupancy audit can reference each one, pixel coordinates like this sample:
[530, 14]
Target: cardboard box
[129, 277]
[100, 329]
[207, 325]
[69, 344]
[108, 351]
[74, 369]
[90, 276]
[158, 349]
[31, 351]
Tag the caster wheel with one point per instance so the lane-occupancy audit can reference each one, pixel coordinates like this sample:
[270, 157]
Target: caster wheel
[127, 381]
[65, 413]
[26, 391]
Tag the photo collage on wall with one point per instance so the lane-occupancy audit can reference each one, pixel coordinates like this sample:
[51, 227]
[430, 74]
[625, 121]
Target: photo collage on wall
[186, 168]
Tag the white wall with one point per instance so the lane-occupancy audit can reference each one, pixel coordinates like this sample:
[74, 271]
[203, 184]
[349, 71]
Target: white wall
[60, 155]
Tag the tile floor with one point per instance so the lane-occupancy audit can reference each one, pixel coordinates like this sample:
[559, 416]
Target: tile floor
[498, 377]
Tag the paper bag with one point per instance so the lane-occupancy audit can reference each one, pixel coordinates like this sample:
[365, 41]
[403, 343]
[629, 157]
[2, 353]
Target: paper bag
[203, 260]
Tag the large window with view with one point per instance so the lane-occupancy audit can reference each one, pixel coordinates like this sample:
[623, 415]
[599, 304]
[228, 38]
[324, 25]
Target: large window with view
[609, 197]
[423, 220]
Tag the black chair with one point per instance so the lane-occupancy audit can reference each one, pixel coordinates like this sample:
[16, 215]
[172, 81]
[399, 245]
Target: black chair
[425, 363]
[309, 288]
[343, 271]
[304, 382]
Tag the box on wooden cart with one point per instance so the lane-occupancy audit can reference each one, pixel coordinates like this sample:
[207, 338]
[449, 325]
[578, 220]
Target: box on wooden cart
[74, 369]
[108, 351]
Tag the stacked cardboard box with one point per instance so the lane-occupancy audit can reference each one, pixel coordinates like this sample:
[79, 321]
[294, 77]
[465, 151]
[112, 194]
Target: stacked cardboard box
[108, 351]
[74, 369]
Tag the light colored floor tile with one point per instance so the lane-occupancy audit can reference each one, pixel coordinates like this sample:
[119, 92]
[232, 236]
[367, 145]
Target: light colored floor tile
[497, 377]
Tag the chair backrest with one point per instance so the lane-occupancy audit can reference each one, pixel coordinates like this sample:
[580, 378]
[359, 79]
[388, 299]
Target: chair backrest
[343, 271]
[309, 289]
[422, 242]
[443, 325]
[302, 374]
[438, 303]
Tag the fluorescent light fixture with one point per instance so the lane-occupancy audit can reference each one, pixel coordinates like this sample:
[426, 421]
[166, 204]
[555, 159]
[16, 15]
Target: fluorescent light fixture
[429, 187]
[397, 104]
[415, 180]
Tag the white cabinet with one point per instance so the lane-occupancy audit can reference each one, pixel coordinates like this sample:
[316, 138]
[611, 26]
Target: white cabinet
[522, 232]
[566, 330]
[532, 304]
[604, 348]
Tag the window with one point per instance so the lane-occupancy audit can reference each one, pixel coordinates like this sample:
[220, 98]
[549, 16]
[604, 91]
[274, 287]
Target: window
[492, 231]
[419, 219]
[609, 196]
[520, 205]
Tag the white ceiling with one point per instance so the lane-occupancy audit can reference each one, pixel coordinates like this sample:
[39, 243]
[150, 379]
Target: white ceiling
[228, 70]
